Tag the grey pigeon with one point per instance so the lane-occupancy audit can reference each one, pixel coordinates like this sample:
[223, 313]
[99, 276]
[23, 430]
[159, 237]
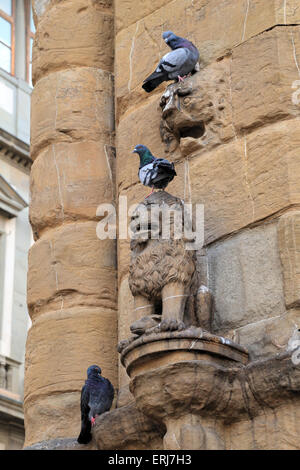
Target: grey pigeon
[176, 64]
[97, 396]
[154, 172]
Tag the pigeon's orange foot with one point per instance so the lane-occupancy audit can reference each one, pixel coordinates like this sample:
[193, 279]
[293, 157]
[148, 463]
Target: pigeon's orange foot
[150, 193]
[93, 420]
[181, 79]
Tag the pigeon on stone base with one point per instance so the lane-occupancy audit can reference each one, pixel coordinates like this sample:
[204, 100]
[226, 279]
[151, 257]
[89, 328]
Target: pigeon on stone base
[97, 396]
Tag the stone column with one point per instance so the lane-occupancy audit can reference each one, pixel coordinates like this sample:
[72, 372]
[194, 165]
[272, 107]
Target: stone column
[72, 274]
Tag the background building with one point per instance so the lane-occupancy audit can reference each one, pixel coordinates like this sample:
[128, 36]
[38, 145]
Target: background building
[16, 37]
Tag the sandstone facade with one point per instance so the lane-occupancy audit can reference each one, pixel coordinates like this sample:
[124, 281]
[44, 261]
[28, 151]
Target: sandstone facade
[244, 168]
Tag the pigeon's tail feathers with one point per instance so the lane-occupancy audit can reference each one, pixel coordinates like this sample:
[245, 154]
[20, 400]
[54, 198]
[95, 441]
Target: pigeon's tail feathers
[166, 164]
[85, 435]
[155, 79]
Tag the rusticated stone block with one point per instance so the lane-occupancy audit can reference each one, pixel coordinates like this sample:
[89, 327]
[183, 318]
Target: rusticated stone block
[289, 246]
[50, 416]
[128, 12]
[78, 269]
[250, 261]
[269, 431]
[72, 105]
[75, 40]
[69, 181]
[248, 179]
[267, 337]
[263, 71]
[60, 346]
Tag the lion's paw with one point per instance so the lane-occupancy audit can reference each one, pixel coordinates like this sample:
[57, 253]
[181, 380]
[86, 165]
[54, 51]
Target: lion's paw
[171, 324]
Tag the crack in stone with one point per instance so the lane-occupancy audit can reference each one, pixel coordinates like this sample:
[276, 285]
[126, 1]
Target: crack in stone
[245, 21]
[295, 53]
[131, 55]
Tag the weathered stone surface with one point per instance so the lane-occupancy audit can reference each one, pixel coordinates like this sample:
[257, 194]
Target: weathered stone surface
[289, 245]
[191, 432]
[61, 444]
[126, 428]
[265, 338]
[54, 337]
[78, 269]
[60, 346]
[126, 11]
[61, 44]
[248, 179]
[245, 278]
[126, 316]
[69, 181]
[263, 71]
[52, 416]
[72, 105]
[269, 431]
[251, 19]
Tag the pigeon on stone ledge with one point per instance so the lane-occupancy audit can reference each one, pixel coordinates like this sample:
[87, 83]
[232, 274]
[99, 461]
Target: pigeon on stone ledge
[175, 65]
[154, 172]
[96, 397]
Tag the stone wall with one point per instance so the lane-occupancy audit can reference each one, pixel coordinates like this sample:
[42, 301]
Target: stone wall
[246, 172]
[244, 169]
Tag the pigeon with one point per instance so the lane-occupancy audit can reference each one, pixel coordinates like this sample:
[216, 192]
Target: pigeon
[154, 172]
[96, 397]
[175, 65]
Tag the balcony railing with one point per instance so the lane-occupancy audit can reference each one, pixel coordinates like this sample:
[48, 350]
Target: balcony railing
[9, 375]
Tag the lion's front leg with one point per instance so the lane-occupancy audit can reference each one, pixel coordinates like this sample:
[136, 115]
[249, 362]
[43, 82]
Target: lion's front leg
[144, 314]
[174, 298]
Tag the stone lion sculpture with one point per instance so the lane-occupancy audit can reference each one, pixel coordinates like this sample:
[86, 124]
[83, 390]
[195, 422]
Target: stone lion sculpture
[163, 276]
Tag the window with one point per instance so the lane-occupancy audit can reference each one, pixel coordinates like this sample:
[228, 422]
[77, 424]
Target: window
[30, 32]
[7, 35]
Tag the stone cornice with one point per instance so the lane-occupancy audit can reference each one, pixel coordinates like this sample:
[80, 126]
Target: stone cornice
[15, 150]
[11, 203]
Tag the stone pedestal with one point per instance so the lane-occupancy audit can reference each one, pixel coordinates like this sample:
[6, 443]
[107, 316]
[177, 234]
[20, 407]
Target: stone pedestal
[176, 380]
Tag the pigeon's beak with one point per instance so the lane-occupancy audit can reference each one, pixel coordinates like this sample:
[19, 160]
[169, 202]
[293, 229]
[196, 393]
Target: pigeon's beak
[134, 151]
